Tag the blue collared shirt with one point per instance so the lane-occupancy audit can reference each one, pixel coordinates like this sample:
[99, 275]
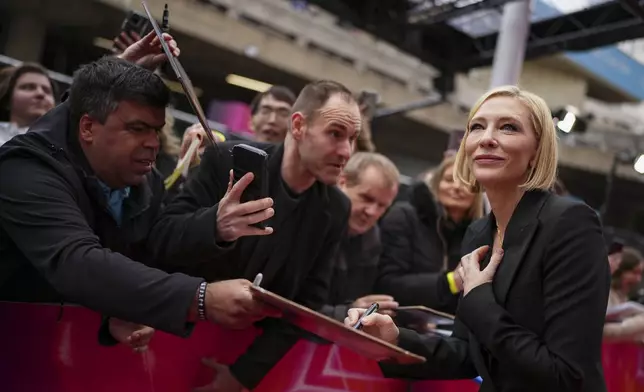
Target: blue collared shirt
[115, 198]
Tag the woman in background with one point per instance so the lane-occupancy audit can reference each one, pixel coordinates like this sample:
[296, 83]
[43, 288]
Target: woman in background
[421, 241]
[26, 93]
[626, 277]
[535, 276]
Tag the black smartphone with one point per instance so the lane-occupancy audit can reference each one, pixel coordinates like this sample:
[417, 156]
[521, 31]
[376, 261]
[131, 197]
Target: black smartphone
[135, 22]
[249, 159]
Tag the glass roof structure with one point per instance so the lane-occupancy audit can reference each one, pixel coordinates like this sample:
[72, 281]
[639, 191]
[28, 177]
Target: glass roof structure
[487, 21]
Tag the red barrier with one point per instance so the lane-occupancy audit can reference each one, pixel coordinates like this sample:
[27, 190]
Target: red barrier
[39, 353]
[42, 349]
[623, 367]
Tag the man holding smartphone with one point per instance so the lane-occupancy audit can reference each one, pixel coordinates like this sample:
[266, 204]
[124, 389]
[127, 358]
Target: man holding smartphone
[305, 216]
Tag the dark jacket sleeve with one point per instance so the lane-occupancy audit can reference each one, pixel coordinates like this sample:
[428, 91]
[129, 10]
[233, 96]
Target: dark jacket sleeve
[42, 217]
[397, 276]
[185, 232]
[447, 357]
[336, 312]
[278, 336]
[575, 288]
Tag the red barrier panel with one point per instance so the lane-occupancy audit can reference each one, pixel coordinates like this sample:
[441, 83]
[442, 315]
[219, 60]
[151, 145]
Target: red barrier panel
[44, 349]
[623, 367]
[41, 353]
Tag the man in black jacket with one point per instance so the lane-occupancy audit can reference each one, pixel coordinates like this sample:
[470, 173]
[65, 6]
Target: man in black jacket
[370, 180]
[78, 195]
[307, 216]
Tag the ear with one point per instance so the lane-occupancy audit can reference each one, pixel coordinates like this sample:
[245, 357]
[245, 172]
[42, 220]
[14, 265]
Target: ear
[85, 129]
[251, 124]
[298, 125]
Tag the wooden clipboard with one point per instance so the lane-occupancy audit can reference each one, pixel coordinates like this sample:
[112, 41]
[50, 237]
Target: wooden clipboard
[336, 332]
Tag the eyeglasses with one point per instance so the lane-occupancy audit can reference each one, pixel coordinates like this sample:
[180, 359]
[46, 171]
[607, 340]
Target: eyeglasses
[266, 111]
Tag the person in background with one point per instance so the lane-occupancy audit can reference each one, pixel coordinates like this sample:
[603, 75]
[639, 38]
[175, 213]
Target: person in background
[422, 238]
[270, 111]
[370, 180]
[535, 276]
[306, 218]
[170, 147]
[26, 93]
[626, 275]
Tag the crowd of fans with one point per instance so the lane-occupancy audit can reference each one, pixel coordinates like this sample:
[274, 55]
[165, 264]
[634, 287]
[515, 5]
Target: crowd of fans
[356, 242]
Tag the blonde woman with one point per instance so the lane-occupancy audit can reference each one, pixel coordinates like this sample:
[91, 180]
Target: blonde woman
[535, 276]
[422, 238]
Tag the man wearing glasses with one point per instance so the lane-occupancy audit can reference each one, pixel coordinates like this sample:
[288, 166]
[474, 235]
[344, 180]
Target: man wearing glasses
[270, 114]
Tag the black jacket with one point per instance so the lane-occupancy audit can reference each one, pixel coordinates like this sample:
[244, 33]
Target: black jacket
[296, 260]
[538, 326]
[355, 272]
[420, 245]
[59, 243]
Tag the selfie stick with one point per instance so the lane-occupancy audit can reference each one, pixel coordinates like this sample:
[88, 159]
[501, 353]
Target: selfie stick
[182, 77]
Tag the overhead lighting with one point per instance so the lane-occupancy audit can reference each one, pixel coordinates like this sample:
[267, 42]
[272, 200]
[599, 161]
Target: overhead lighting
[248, 83]
[639, 164]
[567, 123]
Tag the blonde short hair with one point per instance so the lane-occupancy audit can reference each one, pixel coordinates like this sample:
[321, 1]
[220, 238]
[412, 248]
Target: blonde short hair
[476, 209]
[544, 172]
[361, 161]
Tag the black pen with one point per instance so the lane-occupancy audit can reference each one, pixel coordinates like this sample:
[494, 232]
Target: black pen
[372, 309]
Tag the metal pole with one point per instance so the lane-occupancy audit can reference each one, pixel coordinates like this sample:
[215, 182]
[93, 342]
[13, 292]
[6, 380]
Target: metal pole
[610, 180]
[511, 43]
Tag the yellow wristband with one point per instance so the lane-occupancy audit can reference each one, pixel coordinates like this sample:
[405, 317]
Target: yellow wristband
[452, 283]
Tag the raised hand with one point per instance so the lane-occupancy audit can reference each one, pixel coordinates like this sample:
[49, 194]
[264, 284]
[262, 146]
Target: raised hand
[146, 51]
[470, 269]
[234, 219]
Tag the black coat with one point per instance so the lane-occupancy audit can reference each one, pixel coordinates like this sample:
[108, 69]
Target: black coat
[59, 243]
[538, 325]
[296, 260]
[420, 246]
[355, 272]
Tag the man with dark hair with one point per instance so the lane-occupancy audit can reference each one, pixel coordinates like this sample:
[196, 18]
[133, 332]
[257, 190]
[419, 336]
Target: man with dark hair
[78, 195]
[270, 111]
[306, 217]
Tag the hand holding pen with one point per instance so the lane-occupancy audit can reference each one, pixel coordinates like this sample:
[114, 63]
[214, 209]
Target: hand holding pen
[378, 325]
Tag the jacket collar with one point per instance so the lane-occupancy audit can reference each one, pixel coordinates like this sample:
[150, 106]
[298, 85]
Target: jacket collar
[55, 134]
[518, 237]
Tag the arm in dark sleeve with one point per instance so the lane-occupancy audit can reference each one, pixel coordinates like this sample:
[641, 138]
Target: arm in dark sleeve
[575, 288]
[336, 312]
[42, 217]
[279, 337]
[186, 231]
[397, 277]
[447, 357]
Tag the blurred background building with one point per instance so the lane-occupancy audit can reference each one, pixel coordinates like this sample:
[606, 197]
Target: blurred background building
[428, 60]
